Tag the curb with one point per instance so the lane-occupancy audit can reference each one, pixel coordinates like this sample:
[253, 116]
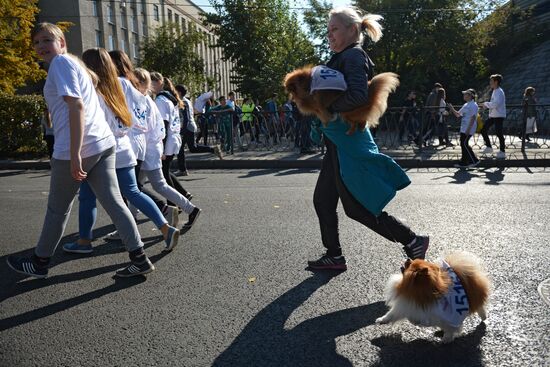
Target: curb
[311, 164]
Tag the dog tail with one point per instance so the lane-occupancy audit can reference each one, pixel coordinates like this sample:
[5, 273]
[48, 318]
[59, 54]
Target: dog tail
[380, 88]
[469, 270]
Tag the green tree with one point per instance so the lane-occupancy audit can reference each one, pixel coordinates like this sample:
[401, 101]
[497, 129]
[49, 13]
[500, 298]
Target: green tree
[18, 63]
[172, 53]
[316, 17]
[264, 41]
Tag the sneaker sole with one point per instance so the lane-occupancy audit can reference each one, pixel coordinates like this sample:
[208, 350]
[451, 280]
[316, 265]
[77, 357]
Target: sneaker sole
[77, 251]
[151, 269]
[173, 241]
[25, 273]
[329, 267]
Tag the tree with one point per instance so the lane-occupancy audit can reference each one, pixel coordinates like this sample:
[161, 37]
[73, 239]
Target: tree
[172, 53]
[264, 41]
[316, 18]
[18, 63]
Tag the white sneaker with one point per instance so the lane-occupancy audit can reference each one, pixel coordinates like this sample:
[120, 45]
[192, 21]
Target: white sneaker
[487, 150]
[113, 236]
[171, 215]
[218, 152]
[501, 155]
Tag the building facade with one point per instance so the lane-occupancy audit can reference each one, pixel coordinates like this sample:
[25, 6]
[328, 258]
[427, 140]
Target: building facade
[123, 25]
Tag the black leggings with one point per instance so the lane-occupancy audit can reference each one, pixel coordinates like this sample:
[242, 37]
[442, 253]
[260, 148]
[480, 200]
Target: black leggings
[188, 138]
[170, 178]
[498, 122]
[329, 189]
[468, 155]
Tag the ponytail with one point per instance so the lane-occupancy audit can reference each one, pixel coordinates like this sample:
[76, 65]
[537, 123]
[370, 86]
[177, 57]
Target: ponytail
[370, 24]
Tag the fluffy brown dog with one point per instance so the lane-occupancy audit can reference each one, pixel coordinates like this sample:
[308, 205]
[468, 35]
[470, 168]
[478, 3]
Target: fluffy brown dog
[298, 84]
[429, 294]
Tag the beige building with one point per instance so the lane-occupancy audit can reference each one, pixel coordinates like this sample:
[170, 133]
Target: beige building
[120, 24]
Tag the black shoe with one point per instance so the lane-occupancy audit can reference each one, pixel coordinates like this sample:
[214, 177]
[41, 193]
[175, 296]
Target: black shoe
[136, 268]
[418, 249]
[189, 196]
[192, 219]
[25, 265]
[328, 263]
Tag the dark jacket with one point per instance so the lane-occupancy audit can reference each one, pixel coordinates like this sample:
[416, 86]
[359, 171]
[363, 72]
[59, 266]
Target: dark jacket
[357, 68]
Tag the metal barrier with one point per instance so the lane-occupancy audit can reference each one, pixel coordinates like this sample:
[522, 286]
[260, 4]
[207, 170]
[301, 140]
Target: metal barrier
[415, 130]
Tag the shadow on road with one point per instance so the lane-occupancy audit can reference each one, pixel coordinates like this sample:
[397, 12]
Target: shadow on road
[265, 342]
[119, 284]
[463, 351]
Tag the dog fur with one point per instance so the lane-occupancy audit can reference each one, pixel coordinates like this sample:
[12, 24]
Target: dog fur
[298, 84]
[413, 294]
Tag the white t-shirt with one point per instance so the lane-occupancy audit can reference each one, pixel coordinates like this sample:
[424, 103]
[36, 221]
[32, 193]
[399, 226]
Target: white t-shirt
[170, 113]
[137, 106]
[467, 111]
[453, 307]
[125, 156]
[497, 105]
[155, 133]
[66, 77]
[200, 102]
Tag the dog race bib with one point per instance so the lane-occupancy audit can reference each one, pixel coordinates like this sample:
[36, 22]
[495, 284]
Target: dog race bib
[453, 307]
[325, 78]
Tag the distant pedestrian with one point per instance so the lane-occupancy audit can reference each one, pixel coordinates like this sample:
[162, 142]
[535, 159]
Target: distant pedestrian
[188, 130]
[225, 123]
[249, 119]
[497, 114]
[441, 119]
[531, 110]
[431, 107]
[468, 126]
[408, 119]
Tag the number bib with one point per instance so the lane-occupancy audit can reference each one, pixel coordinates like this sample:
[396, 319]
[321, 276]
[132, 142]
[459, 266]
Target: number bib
[325, 78]
[453, 307]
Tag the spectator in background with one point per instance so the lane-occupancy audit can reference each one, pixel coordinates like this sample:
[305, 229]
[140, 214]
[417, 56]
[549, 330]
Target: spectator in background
[188, 130]
[225, 123]
[441, 122]
[248, 119]
[468, 126]
[409, 117]
[201, 108]
[430, 113]
[237, 129]
[271, 110]
[497, 114]
[531, 110]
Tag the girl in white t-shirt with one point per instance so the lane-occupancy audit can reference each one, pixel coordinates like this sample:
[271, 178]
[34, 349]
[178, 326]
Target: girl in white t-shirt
[468, 126]
[84, 150]
[152, 166]
[118, 116]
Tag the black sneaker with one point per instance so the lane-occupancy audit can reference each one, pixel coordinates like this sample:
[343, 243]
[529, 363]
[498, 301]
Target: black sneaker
[136, 268]
[192, 219]
[328, 263]
[25, 265]
[189, 196]
[418, 249]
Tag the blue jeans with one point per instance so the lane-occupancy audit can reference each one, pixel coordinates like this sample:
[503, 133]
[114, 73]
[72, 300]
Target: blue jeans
[126, 177]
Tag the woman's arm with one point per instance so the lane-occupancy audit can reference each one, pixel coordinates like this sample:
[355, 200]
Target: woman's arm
[355, 73]
[76, 127]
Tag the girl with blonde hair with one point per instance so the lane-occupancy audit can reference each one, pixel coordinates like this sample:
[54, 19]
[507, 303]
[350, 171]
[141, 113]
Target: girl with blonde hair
[84, 150]
[118, 116]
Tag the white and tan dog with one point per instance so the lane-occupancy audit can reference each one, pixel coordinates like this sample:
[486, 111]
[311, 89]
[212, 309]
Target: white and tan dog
[429, 294]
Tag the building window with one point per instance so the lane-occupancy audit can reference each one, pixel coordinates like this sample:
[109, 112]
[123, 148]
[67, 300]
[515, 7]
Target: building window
[169, 15]
[123, 45]
[135, 50]
[110, 13]
[156, 12]
[94, 8]
[98, 39]
[133, 20]
[111, 42]
[143, 27]
[183, 25]
[177, 20]
[123, 19]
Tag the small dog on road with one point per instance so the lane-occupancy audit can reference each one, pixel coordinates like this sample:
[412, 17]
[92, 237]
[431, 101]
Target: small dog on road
[429, 294]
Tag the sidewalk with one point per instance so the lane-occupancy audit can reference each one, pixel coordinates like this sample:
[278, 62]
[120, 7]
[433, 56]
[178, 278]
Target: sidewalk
[427, 158]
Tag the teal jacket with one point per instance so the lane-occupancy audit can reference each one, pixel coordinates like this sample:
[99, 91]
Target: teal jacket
[371, 177]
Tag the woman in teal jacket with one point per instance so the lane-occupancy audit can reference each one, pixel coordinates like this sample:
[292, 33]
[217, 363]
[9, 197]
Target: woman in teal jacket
[353, 170]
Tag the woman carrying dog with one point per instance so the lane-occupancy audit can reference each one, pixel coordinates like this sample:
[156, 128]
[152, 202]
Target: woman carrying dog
[353, 170]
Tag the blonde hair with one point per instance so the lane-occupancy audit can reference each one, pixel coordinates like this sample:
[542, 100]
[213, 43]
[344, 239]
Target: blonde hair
[142, 76]
[352, 17]
[50, 28]
[109, 86]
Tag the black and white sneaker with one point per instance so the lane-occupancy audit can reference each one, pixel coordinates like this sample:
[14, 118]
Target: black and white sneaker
[328, 263]
[418, 248]
[192, 219]
[189, 196]
[136, 268]
[25, 265]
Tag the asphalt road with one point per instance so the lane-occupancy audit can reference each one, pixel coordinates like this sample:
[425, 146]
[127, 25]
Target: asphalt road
[235, 292]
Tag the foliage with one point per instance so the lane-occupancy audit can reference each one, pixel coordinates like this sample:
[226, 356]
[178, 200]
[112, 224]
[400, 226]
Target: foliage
[20, 117]
[172, 53]
[316, 18]
[17, 59]
[264, 41]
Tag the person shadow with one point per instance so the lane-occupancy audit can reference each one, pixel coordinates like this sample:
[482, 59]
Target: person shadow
[11, 284]
[494, 177]
[264, 341]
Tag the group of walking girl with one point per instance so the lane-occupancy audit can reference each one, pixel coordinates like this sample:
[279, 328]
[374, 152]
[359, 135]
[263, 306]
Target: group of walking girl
[109, 135]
